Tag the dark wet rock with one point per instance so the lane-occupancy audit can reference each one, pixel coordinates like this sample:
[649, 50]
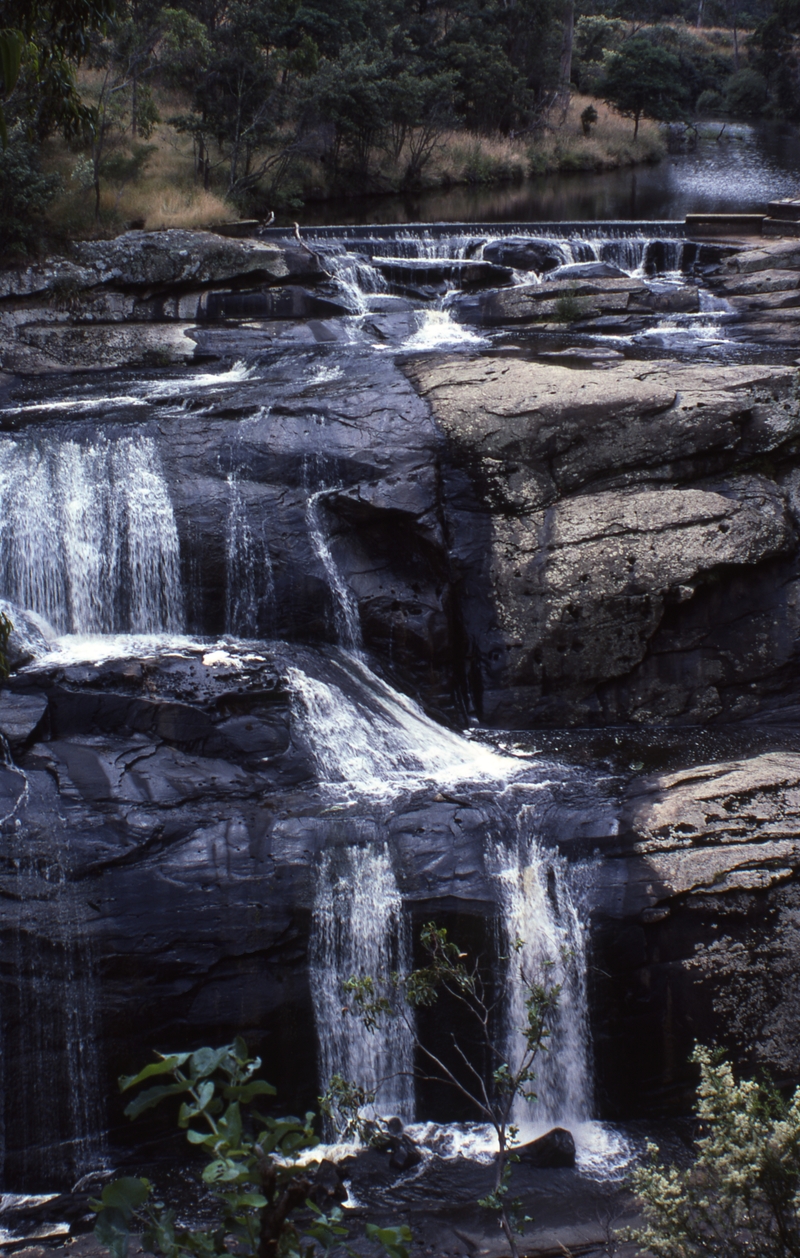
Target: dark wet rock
[178, 257]
[327, 1186]
[291, 302]
[28, 637]
[588, 271]
[38, 348]
[524, 254]
[568, 300]
[20, 715]
[554, 1149]
[468, 273]
[771, 280]
[77, 313]
[404, 1154]
[773, 255]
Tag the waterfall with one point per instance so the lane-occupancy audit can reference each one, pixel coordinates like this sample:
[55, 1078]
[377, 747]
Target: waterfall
[249, 583]
[87, 535]
[374, 741]
[357, 930]
[353, 276]
[536, 907]
[345, 608]
[57, 1124]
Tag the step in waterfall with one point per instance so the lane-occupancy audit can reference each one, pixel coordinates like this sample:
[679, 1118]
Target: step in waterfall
[374, 746]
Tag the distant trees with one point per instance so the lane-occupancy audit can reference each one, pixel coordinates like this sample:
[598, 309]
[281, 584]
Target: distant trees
[645, 79]
[41, 42]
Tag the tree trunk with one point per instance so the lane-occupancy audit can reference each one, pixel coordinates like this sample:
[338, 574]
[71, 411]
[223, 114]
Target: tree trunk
[565, 64]
[499, 1176]
[636, 125]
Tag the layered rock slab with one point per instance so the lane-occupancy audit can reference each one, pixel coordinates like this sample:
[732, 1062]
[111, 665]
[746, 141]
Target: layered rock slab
[696, 927]
[611, 507]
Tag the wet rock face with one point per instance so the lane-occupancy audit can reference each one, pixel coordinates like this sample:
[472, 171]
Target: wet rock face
[160, 884]
[92, 309]
[627, 548]
[695, 936]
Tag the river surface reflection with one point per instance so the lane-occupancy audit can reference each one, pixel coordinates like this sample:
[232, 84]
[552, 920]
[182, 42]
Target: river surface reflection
[734, 168]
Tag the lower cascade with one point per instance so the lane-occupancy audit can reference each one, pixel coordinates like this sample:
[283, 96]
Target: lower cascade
[538, 912]
[358, 929]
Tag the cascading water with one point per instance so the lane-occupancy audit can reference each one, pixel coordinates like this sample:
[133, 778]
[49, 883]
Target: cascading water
[354, 277]
[375, 743]
[345, 607]
[87, 535]
[357, 930]
[61, 1118]
[249, 583]
[537, 909]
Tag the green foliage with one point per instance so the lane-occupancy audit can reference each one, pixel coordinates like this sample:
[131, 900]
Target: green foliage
[262, 1194]
[645, 79]
[393, 1239]
[588, 119]
[709, 104]
[746, 93]
[343, 1103]
[25, 193]
[568, 306]
[595, 36]
[374, 997]
[40, 44]
[774, 54]
[741, 1196]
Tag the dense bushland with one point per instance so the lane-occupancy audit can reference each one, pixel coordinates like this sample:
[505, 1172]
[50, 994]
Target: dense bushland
[195, 110]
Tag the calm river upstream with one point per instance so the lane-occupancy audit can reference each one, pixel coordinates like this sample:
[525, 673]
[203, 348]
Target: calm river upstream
[734, 168]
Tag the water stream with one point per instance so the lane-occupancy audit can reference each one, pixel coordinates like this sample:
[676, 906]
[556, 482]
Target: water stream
[90, 540]
[87, 535]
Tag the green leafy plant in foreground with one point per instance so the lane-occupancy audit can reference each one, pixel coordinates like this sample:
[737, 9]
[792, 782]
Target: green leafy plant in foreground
[373, 998]
[263, 1196]
[741, 1197]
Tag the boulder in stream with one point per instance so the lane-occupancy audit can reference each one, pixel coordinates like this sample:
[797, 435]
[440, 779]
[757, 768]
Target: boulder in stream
[556, 1148]
[525, 254]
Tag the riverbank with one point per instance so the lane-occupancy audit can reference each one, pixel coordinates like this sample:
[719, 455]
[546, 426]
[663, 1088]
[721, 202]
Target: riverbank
[161, 192]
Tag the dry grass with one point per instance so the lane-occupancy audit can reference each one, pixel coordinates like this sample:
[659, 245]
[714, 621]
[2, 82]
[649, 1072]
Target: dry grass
[164, 194]
[560, 145]
[610, 143]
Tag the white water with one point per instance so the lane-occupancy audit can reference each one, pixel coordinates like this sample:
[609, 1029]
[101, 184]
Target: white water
[370, 741]
[87, 535]
[537, 910]
[438, 330]
[357, 930]
[345, 607]
[249, 581]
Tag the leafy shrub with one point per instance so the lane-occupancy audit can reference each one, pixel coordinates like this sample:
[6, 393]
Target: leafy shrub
[25, 193]
[740, 1199]
[709, 103]
[746, 93]
[568, 306]
[263, 1197]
